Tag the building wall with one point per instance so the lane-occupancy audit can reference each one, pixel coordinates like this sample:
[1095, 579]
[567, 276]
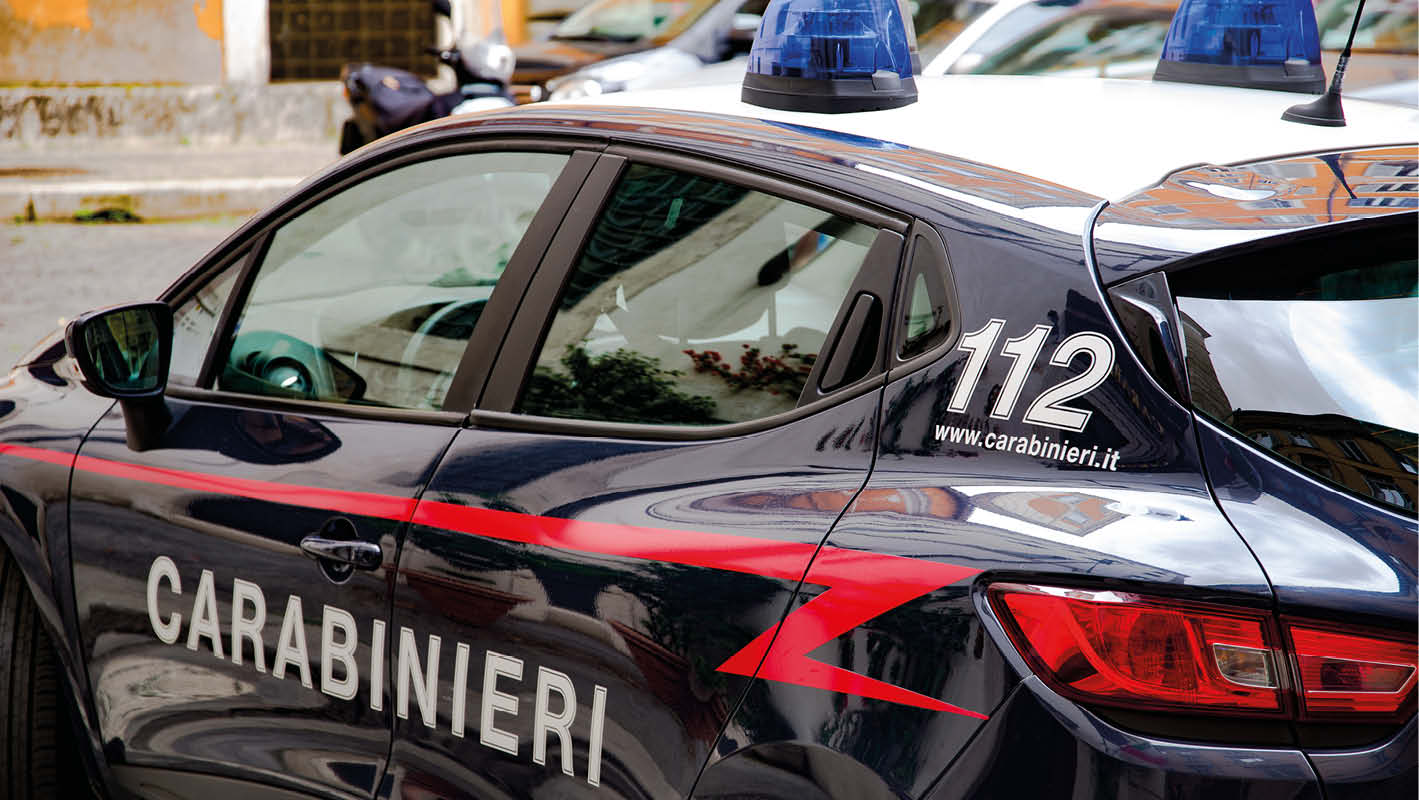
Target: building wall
[111, 41]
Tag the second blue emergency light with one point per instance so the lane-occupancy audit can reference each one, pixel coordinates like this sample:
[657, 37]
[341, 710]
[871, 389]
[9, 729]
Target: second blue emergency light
[831, 56]
[1259, 44]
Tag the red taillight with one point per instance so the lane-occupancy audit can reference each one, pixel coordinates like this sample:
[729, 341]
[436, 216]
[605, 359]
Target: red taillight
[1122, 649]
[1348, 674]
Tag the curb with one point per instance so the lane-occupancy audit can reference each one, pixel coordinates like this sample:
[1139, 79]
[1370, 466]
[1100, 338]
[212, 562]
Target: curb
[165, 199]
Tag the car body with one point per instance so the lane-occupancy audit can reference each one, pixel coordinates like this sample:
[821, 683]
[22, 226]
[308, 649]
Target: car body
[594, 556]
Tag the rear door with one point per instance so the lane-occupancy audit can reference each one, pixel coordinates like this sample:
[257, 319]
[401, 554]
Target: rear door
[684, 405]
[233, 563]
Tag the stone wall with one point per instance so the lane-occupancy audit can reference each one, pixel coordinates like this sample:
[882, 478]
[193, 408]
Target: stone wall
[111, 41]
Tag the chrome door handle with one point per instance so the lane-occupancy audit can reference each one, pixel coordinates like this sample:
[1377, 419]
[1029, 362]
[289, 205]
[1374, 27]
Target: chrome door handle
[351, 552]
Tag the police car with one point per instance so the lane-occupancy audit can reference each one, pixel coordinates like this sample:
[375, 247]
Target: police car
[1033, 439]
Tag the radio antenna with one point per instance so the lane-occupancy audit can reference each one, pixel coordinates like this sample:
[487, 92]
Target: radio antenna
[1327, 109]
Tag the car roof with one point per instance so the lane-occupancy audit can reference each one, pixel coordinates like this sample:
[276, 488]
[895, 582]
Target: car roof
[1107, 138]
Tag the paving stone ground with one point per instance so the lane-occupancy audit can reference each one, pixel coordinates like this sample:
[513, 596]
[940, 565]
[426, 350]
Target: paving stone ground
[53, 271]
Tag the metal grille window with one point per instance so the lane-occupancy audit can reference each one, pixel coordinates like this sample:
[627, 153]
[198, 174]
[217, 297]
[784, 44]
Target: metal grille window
[313, 39]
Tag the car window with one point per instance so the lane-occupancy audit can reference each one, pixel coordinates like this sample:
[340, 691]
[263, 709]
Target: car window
[1311, 351]
[926, 321]
[370, 296]
[631, 20]
[1091, 40]
[1387, 26]
[696, 302]
[194, 322]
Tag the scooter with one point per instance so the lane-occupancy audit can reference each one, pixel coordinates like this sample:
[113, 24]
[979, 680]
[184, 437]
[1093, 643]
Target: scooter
[384, 100]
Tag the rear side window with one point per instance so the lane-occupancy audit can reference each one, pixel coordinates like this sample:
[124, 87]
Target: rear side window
[694, 302]
[1311, 351]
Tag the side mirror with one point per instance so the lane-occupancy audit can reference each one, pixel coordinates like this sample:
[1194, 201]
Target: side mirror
[124, 351]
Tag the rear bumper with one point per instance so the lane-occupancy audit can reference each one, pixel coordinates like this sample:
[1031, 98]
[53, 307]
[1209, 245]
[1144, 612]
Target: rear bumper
[1040, 745]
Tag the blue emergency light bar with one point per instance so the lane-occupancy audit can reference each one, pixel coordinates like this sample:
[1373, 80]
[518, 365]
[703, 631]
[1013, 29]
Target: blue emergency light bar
[831, 56]
[1259, 44]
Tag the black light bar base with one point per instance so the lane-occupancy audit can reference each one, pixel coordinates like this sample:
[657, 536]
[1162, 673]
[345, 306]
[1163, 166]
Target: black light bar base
[824, 96]
[1303, 78]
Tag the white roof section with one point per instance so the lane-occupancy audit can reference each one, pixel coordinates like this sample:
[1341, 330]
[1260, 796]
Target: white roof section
[1109, 138]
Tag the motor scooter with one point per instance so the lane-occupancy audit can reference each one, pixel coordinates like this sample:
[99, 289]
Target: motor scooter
[384, 100]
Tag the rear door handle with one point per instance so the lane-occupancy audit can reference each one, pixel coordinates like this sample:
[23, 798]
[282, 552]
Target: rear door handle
[350, 552]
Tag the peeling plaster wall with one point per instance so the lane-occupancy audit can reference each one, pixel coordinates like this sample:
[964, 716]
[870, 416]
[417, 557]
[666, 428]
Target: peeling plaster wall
[111, 41]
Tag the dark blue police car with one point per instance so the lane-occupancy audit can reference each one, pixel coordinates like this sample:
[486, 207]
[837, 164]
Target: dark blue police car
[695, 448]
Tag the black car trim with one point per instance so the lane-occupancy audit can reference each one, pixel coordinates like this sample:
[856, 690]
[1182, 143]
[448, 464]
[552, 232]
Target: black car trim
[744, 175]
[315, 407]
[514, 361]
[486, 418]
[922, 234]
[480, 355]
[877, 277]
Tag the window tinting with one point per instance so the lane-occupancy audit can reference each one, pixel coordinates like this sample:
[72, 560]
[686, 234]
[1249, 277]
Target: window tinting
[370, 297]
[694, 302]
[1319, 339]
[195, 321]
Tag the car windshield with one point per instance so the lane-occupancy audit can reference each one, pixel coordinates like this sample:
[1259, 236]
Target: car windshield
[937, 22]
[1056, 35]
[1311, 351]
[631, 20]
[1091, 39]
[1387, 26]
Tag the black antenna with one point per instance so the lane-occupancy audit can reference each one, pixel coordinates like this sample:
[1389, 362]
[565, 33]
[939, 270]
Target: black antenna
[1327, 110]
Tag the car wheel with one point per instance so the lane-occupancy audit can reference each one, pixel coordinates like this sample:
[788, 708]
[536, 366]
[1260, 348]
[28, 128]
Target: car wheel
[29, 694]
[350, 138]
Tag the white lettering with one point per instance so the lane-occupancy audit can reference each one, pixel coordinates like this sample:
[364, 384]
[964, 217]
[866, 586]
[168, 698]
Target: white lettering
[205, 622]
[498, 665]
[598, 724]
[167, 632]
[460, 688]
[246, 593]
[377, 666]
[290, 647]
[342, 651]
[425, 684]
[548, 681]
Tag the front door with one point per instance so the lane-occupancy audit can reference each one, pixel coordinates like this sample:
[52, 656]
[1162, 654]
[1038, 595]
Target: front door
[685, 403]
[233, 575]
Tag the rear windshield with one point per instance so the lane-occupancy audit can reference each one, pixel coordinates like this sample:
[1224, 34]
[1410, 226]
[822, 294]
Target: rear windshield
[1311, 351]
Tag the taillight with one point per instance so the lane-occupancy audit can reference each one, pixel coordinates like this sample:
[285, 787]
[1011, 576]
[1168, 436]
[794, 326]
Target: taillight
[1135, 651]
[1349, 674]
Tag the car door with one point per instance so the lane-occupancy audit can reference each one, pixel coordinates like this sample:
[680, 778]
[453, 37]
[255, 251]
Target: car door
[233, 559]
[684, 404]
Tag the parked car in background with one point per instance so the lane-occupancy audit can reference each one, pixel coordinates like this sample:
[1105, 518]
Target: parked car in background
[697, 31]
[1123, 38]
[935, 22]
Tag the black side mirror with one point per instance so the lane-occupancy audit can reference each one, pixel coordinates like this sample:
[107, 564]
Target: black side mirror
[124, 351]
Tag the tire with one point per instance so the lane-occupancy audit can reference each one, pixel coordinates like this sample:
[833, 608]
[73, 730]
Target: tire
[350, 138]
[30, 717]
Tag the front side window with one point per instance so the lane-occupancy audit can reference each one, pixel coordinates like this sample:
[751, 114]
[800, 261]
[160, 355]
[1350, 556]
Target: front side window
[694, 302]
[370, 297]
[194, 322]
[1320, 339]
